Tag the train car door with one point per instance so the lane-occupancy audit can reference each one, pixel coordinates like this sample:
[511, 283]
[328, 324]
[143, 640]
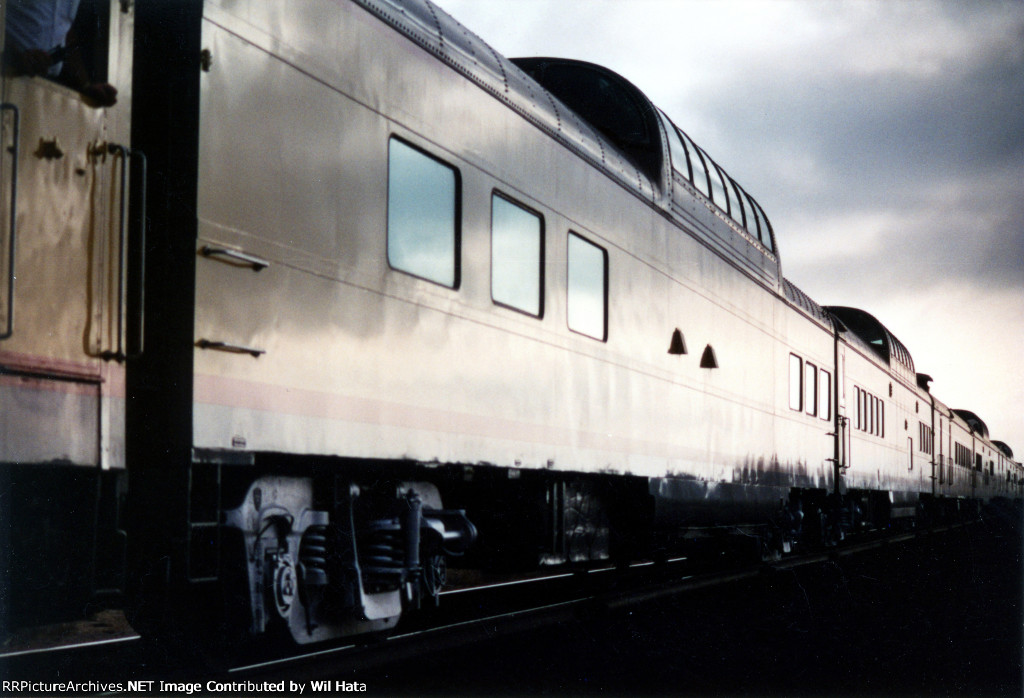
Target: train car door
[61, 383]
[841, 422]
[62, 248]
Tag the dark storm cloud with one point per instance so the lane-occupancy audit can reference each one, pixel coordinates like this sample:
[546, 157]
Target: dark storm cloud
[930, 159]
[884, 139]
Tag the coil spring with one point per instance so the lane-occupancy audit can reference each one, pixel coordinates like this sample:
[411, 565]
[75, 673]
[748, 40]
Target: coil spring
[382, 554]
[313, 555]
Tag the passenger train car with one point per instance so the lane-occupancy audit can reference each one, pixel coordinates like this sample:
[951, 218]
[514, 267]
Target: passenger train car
[336, 296]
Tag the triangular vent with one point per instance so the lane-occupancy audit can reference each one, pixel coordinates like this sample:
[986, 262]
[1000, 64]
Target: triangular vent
[678, 344]
[708, 359]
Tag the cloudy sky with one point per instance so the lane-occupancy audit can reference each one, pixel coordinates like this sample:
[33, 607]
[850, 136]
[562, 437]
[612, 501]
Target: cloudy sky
[885, 141]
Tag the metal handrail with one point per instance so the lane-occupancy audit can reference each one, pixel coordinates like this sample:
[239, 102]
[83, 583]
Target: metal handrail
[13, 225]
[127, 154]
[141, 325]
[230, 348]
[122, 270]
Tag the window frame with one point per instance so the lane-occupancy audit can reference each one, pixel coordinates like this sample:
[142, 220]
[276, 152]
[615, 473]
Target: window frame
[456, 216]
[693, 151]
[751, 223]
[568, 287]
[810, 388]
[541, 261]
[824, 394]
[766, 228]
[798, 386]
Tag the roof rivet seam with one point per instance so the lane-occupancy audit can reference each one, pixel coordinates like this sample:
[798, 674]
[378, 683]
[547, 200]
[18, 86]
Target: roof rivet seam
[501, 66]
[437, 23]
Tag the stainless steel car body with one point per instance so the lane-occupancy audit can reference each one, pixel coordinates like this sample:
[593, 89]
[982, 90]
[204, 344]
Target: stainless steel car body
[367, 361]
[332, 351]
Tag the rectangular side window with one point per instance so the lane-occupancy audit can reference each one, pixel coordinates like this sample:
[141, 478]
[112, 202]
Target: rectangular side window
[587, 288]
[825, 395]
[517, 256]
[924, 438]
[796, 374]
[423, 215]
[811, 388]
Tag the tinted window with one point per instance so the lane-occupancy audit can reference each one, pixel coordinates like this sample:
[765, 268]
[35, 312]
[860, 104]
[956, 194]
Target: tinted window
[600, 99]
[735, 207]
[680, 162]
[699, 172]
[717, 188]
[423, 235]
[751, 215]
[766, 235]
[516, 256]
[587, 287]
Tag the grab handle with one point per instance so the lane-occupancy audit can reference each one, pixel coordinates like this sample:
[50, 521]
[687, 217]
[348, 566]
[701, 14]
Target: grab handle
[241, 258]
[127, 154]
[12, 239]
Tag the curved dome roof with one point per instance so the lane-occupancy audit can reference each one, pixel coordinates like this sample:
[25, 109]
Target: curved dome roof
[598, 115]
[873, 333]
[1001, 445]
[974, 421]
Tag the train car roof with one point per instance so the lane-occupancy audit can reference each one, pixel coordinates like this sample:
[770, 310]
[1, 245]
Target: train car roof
[874, 334]
[624, 114]
[439, 33]
[615, 127]
[806, 303]
[973, 421]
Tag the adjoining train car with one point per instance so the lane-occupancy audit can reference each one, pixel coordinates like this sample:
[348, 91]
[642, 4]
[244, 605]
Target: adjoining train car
[391, 302]
[65, 183]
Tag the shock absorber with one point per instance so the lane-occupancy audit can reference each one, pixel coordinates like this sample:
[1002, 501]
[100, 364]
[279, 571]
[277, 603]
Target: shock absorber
[412, 519]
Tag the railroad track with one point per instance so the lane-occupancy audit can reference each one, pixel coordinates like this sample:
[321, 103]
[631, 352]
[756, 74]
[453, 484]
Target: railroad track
[597, 591]
[467, 615]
